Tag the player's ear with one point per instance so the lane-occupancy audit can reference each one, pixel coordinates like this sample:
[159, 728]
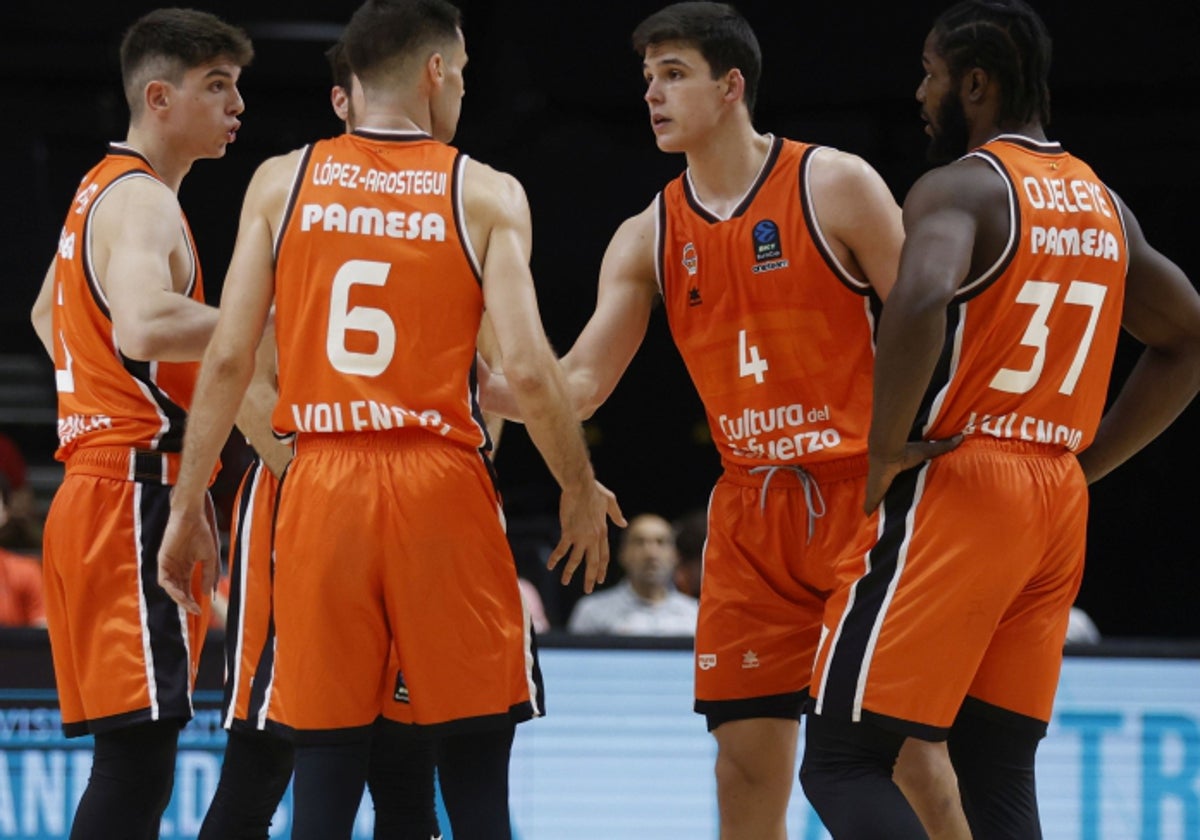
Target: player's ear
[734, 84]
[156, 96]
[435, 69]
[975, 83]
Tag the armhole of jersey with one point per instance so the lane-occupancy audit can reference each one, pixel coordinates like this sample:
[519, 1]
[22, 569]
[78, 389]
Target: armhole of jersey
[460, 214]
[193, 257]
[660, 241]
[293, 194]
[89, 269]
[1112, 199]
[974, 287]
[814, 227]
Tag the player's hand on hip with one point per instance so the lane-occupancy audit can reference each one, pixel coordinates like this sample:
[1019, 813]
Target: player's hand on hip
[583, 516]
[883, 469]
[190, 539]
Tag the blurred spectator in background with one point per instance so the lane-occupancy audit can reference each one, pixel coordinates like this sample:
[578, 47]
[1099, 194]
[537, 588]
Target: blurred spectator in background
[645, 602]
[21, 601]
[691, 530]
[22, 528]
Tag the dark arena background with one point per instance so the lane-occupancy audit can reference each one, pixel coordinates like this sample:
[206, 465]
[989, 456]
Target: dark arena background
[554, 96]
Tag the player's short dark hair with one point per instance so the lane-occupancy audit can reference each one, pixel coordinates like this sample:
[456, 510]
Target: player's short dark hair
[717, 30]
[1006, 38]
[339, 65]
[382, 33]
[169, 42]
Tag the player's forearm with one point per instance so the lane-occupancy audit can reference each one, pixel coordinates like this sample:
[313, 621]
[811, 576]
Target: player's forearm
[585, 388]
[254, 421]
[541, 399]
[219, 393]
[1156, 392]
[42, 313]
[906, 353]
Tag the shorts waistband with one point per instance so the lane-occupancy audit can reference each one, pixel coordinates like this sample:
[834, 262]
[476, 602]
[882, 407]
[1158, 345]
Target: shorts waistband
[1010, 446]
[392, 439]
[824, 472]
[126, 463]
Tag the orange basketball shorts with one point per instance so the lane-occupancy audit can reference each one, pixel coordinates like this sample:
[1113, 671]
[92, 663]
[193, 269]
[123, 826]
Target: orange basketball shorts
[395, 587]
[766, 580]
[966, 593]
[124, 652]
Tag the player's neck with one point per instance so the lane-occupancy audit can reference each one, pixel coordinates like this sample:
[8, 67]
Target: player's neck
[168, 165]
[725, 167]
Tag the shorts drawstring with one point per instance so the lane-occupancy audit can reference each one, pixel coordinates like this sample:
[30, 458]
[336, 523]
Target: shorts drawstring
[811, 491]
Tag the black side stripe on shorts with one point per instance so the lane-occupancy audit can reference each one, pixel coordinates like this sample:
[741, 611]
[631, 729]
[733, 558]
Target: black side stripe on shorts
[233, 618]
[264, 671]
[850, 657]
[167, 665]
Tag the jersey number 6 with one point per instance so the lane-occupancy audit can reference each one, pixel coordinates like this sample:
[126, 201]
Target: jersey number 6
[343, 317]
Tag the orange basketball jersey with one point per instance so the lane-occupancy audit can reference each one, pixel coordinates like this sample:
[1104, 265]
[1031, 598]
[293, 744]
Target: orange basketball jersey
[104, 397]
[777, 336]
[1030, 344]
[374, 250]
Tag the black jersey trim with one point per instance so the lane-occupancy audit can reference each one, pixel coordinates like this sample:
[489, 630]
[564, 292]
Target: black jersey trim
[980, 284]
[767, 168]
[814, 228]
[289, 209]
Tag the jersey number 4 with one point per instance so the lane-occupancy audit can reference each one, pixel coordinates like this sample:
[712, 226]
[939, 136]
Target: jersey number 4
[1042, 295]
[749, 363]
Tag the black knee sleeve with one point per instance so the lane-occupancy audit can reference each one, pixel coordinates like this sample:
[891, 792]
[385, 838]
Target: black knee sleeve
[255, 773]
[473, 772]
[847, 776]
[133, 771]
[993, 753]
[400, 778]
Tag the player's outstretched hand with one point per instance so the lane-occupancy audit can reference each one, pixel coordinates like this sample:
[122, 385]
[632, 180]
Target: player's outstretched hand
[882, 471]
[190, 539]
[583, 516]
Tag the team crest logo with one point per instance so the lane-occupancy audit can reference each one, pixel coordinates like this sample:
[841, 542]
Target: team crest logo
[766, 241]
[691, 262]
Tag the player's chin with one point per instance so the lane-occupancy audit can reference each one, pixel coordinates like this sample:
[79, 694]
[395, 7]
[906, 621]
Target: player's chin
[667, 143]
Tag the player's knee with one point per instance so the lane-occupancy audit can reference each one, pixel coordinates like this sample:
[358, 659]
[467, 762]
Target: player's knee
[924, 772]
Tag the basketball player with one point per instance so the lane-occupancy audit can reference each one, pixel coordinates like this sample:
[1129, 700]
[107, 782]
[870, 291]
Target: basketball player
[388, 535]
[1019, 268]
[771, 257]
[122, 313]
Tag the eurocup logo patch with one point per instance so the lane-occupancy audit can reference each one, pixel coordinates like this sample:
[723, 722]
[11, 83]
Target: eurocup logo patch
[766, 241]
[691, 262]
[706, 661]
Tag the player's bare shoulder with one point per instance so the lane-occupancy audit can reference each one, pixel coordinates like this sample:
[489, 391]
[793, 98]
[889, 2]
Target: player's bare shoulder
[490, 194]
[844, 183]
[968, 184]
[274, 178]
[493, 201]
